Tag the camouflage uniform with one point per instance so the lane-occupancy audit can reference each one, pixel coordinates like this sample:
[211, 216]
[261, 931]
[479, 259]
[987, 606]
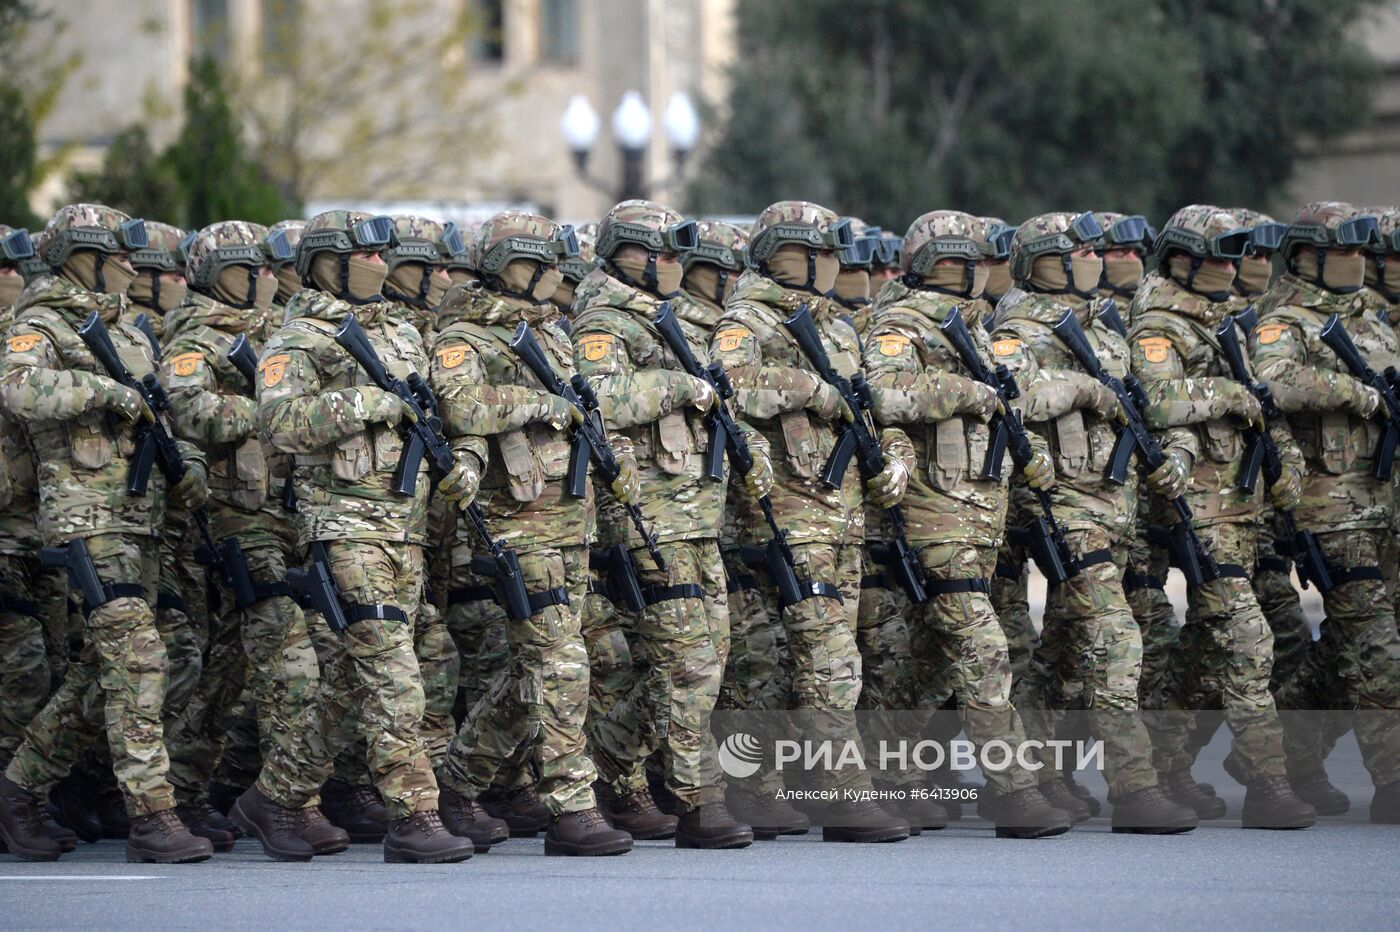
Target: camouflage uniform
[52, 382]
[1350, 511]
[314, 403]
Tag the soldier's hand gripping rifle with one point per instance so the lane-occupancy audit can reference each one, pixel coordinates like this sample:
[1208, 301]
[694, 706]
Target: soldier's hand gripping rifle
[1263, 452]
[590, 442]
[1045, 539]
[1339, 341]
[1188, 553]
[858, 440]
[423, 438]
[725, 439]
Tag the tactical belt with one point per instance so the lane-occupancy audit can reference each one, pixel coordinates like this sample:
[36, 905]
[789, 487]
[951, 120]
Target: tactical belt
[1234, 571]
[19, 606]
[360, 612]
[262, 591]
[812, 589]
[954, 586]
[467, 594]
[1095, 557]
[1135, 581]
[116, 591]
[874, 581]
[1008, 570]
[653, 595]
[1273, 565]
[172, 601]
[1354, 574]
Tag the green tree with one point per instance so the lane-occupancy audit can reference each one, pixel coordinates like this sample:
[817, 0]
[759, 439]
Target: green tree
[217, 178]
[887, 108]
[132, 178]
[17, 159]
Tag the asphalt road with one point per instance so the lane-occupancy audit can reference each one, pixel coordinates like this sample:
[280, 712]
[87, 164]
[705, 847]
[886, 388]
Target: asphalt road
[1336, 876]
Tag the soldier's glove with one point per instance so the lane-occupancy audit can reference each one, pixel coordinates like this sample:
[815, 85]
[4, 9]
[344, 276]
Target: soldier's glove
[627, 487]
[1105, 404]
[692, 392]
[758, 481]
[1287, 492]
[1040, 471]
[124, 402]
[462, 483]
[562, 413]
[192, 491]
[1365, 400]
[887, 487]
[826, 402]
[982, 402]
[1169, 479]
[374, 405]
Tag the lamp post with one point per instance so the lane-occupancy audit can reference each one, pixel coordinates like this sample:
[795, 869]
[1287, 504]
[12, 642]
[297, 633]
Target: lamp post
[631, 129]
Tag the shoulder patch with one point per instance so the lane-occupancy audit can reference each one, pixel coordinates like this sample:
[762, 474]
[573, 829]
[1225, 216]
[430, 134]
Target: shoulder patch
[273, 368]
[1270, 333]
[729, 338]
[1154, 349]
[1006, 346]
[187, 363]
[595, 346]
[24, 342]
[453, 356]
[892, 344]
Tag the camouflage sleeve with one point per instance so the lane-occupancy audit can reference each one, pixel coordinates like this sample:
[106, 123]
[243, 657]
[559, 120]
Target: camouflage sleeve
[1280, 357]
[760, 392]
[292, 410]
[627, 396]
[198, 410]
[1173, 399]
[34, 388]
[467, 401]
[475, 447]
[1045, 393]
[193, 454]
[1288, 449]
[896, 443]
[904, 391]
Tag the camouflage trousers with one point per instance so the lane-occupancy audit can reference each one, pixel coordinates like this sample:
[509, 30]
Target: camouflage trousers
[264, 648]
[182, 611]
[821, 631]
[685, 640]
[29, 597]
[1357, 663]
[478, 627]
[127, 661]
[958, 649]
[439, 665]
[541, 700]
[1010, 594]
[371, 678]
[882, 637]
[612, 670]
[759, 672]
[1143, 585]
[1278, 599]
[242, 758]
[1091, 657]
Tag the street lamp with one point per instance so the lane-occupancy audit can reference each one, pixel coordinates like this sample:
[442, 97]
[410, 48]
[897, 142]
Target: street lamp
[631, 129]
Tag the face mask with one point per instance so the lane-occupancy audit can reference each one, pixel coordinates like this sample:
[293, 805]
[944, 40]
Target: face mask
[235, 287]
[1253, 277]
[563, 297]
[1123, 274]
[150, 290]
[266, 291]
[110, 276]
[288, 281]
[668, 274]
[407, 282]
[952, 279]
[1340, 273]
[459, 276]
[10, 288]
[1048, 274]
[853, 285]
[365, 278]
[1212, 282]
[1086, 270]
[789, 267]
[1387, 282]
[998, 280]
[704, 281]
[518, 278]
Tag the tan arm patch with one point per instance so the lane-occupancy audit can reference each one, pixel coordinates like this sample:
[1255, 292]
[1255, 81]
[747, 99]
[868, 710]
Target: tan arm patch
[728, 340]
[453, 356]
[595, 346]
[24, 342]
[273, 368]
[187, 363]
[1155, 349]
[892, 344]
[1270, 333]
[1006, 346]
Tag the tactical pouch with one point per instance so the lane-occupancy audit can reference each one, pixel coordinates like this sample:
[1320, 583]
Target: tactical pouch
[90, 441]
[1222, 441]
[800, 444]
[388, 448]
[671, 451]
[948, 457]
[350, 458]
[1338, 449]
[518, 459]
[1071, 445]
[250, 472]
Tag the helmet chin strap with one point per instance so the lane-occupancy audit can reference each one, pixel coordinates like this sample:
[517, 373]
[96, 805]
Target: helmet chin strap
[154, 303]
[100, 279]
[419, 300]
[917, 282]
[1191, 281]
[720, 282]
[649, 282]
[496, 285]
[1391, 296]
[810, 286]
[345, 285]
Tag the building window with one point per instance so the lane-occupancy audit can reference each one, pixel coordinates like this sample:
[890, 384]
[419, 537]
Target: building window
[280, 21]
[559, 31]
[486, 44]
[209, 22]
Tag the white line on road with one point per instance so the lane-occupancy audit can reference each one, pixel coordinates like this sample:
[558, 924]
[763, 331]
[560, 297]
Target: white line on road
[79, 877]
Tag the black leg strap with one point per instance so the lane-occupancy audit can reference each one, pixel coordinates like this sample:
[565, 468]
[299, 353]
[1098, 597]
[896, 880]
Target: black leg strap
[874, 581]
[1353, 574]
[468, 594]
[172, 601]
[24, 607]
[1006, 570]
[359, 612]
[1135, 581]
[811, 589]
[1273, 565]
[1233, 570]
[270, 590]
[653, 595]
[954, 586]
[742, 582]
[1095, 557]
[539, 601]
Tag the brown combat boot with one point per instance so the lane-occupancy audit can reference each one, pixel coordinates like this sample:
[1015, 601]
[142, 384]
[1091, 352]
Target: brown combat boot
[22, 819]
[1149, 811]
[637, 815]
[585, 834]
[161, 838]
[521, 809]
[357, 809]
[194, 819]
[422, 839]
[1083, 794]
[320, 833]
[1317, 791]
[277, 828]
[711, 826]
[1385, 804]
[111, 812]
[862, 821]
[1026, 814]
[466, 818]
[1058, 794]
[768, 816]
[1269, 802]
[72, 797]
[1180, 788]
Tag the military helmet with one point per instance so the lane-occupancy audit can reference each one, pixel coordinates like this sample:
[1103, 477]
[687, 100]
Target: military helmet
[1052, 234]
[1203, 232]
[518, 234]
[164, 250]
[1265, 233]
[220, 245]
[943, 234]
[1126, 231]
[998, 234]
[16, 248]
[89, 226]
[416, 239]
[1387, 228]
[645, 224]
[343, 232]
[718, 243]
[576, 268]
[280, 244]
[1330, 225]
[799, 222]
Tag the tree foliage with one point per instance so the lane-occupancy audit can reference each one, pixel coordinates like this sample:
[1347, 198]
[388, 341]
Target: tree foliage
[887, 108]
[132, 178]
